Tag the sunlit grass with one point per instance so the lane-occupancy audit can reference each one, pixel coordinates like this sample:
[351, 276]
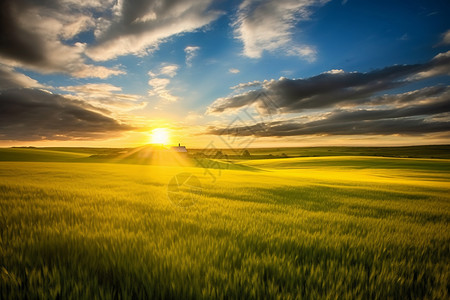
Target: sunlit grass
[336, 228]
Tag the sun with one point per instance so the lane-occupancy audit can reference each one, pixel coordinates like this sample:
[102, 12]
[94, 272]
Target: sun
[160, 136]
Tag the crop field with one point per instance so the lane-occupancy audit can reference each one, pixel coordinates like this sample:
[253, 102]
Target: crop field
[333, 227]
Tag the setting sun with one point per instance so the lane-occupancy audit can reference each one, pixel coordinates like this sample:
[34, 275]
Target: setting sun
[160, 136]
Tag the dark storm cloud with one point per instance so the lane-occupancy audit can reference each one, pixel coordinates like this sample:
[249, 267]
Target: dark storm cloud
[380, 114]
[373, 127]
[406, 120]
[17, 42]
[30, 114]
[329, 89]
[411, 97]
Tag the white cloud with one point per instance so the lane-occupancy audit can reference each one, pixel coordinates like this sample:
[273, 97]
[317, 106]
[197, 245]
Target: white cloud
[306, 52]
[159, 86]
[159, 83]
[268, 25]
[169, 70]
[41, 35]
[191, 52]
[245, 85]
[96, 71]
[446, 37]
[335, 71]
[139, 28]
[233, 70]
[104, 96]
[93, 88]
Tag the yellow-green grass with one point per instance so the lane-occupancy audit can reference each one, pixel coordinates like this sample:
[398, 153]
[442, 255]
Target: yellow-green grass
[38, 154]
[293, 228]
[428, 151]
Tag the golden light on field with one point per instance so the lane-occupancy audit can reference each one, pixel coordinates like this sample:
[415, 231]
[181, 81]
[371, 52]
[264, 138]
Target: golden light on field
[160, 136]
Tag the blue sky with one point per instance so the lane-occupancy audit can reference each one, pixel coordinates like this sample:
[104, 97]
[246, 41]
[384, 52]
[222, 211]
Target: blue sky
[106, 73]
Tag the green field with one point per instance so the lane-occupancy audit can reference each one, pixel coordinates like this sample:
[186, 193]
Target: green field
[73, 224]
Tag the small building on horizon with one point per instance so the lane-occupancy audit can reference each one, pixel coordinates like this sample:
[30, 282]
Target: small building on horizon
[179, 149]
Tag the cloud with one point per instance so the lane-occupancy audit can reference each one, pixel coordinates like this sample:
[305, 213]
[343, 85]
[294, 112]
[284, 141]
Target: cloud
[439, 65]
[335, 71]
[30, 114]
[159, 82]
[421, 96]
[268, 26]
[12, 79]
[159, 88]
[428, 114]
[446, 38]
[233, 71]
[91, 111]
[104, 96]
[169, 70]
[405, 126]
[404, 37]
[93, 88]
[330, 88]
[36, 35]
[306, 52]
[137, 27]
[191, 52]
[344, 103]
[242, 86]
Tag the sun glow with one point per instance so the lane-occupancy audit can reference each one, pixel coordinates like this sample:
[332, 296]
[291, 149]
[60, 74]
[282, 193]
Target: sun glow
[160, 136]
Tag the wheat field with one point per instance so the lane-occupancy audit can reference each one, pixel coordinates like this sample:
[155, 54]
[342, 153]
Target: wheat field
[295, 228]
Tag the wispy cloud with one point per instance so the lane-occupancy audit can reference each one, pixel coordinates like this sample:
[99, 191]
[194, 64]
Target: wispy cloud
[169, 70]
[191, 52]
[404, 37]
[159, 81]
[245, 85]
[233, 70]
[106, 96]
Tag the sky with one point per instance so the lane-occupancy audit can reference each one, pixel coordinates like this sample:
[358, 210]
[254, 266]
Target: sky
[247, 73]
